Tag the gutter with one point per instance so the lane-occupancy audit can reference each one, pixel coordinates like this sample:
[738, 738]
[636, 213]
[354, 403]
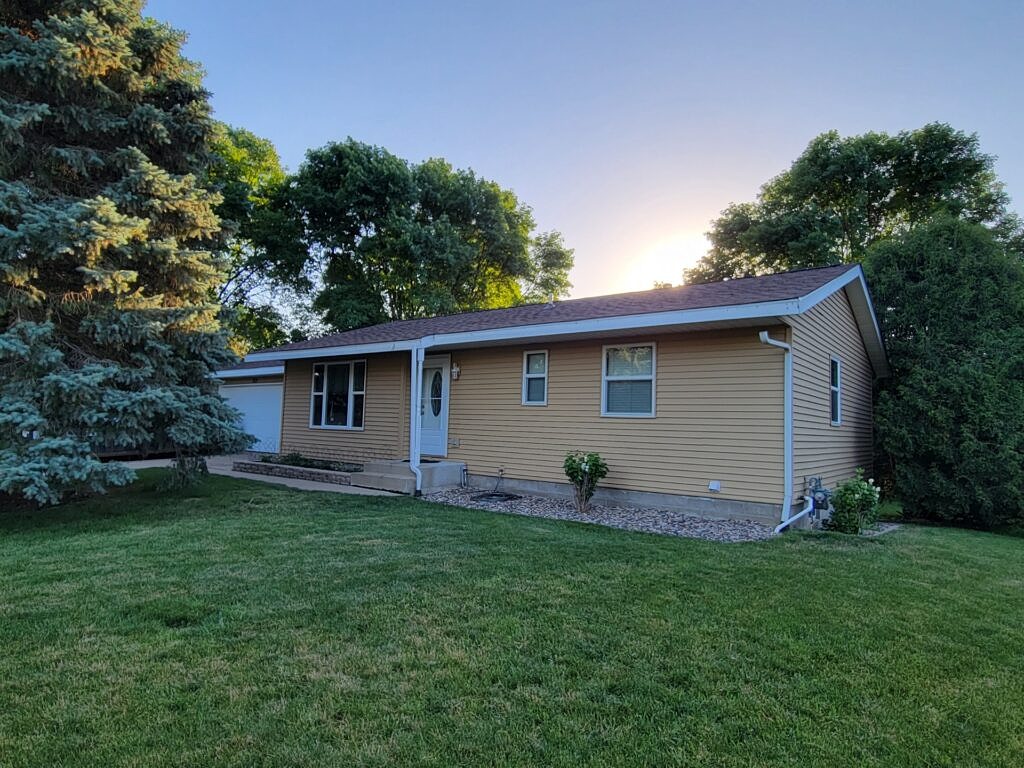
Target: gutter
[248, 373]
[568, 328]
[787, 431]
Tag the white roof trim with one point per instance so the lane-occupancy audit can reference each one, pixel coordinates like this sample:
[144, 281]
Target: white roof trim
[618, 323]
[347, 349]
[248, 373]
[851, 279]
[597, 325]
[863, 311]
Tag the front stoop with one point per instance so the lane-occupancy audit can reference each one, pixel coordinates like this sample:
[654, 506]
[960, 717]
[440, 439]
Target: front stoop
[392, 476]
[396, 476]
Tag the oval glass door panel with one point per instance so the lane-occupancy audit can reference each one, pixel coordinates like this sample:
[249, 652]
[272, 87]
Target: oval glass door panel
[435, 394]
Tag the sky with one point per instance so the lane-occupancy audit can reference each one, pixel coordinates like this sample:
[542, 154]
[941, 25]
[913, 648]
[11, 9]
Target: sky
[627, 126]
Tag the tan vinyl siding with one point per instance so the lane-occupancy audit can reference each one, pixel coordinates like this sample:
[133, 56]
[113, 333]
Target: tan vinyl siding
[833, 452]
[719, 416]
[386, 413]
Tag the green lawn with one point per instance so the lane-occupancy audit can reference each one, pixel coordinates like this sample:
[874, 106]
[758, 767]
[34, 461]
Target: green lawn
[243, 624]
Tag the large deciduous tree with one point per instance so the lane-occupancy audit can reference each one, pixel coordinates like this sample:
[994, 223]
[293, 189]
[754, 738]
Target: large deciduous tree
[246, 171]
[845, 193]
[261, 307]
[950, 299]
[108, 333]
[550, 262]
[382, 239]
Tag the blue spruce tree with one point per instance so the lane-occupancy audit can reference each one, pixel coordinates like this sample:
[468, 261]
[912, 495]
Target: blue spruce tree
[108, 326]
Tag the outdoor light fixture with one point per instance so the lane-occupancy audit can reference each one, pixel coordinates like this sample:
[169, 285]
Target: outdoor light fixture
[455, 371]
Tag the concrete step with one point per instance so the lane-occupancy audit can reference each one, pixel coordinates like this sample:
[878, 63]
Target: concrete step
[385, 481]
[387, 467]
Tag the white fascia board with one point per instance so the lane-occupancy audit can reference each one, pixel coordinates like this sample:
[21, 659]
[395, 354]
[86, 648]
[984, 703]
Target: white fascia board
[618, 323]
[855, 275]
[248, 373]
[856, 286]
[337, 351]
[864, 313]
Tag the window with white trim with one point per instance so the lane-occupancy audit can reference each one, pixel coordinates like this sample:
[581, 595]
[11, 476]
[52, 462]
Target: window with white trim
[627, 380]
[835, 391]
[535, 377]
[338, 398]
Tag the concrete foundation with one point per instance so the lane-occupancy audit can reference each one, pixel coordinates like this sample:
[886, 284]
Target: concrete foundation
[711, 507]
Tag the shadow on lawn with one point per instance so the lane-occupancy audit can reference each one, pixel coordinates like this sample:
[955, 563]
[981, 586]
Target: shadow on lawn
[141, 502]
[147, 501]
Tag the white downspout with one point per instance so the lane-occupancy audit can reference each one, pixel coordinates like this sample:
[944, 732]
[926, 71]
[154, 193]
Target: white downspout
[415, 387]
[808, 506]
[787, 429]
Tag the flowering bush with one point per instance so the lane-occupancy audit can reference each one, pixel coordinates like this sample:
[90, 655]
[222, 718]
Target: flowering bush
[583, 471]
[854, 504]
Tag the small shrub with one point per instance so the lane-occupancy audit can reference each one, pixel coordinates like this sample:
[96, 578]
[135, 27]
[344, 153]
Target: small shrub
[854, 504]
[584, 470]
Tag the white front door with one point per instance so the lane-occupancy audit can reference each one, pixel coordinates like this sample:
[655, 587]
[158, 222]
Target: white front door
[434, 407]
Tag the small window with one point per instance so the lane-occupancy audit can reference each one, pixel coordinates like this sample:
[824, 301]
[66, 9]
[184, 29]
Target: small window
[627, 381]
[339, 394]
[535, 378]
[835, 391]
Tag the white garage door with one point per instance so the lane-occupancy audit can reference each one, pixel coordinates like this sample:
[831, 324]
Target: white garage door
[260, 405]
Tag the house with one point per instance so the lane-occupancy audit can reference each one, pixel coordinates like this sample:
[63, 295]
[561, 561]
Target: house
[721, 399]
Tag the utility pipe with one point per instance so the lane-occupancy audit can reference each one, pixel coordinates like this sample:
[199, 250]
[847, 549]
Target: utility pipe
[787, 429]
[415, 393]
[802, 513]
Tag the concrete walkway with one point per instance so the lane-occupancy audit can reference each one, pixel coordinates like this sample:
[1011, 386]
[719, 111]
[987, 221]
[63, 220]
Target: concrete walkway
[221, 465]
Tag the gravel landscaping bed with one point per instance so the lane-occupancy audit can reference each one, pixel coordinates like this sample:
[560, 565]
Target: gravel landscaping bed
[645, 519]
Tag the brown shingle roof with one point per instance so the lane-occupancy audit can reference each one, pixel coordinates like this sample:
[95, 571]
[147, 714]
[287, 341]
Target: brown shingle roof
[748, 290]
